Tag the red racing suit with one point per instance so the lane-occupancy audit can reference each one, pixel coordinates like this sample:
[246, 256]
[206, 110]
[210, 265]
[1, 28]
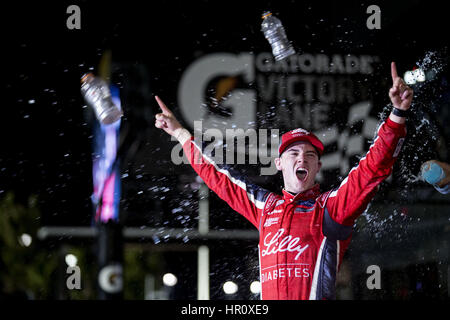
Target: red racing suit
[303, 237]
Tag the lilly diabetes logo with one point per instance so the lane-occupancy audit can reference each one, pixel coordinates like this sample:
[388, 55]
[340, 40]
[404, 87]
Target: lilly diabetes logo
[274, 244]
[253, 97]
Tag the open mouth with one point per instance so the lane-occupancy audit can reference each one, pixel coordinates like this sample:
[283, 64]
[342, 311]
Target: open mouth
[301, 174]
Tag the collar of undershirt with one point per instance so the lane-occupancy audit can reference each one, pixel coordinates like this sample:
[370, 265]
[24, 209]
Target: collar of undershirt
[311, 193]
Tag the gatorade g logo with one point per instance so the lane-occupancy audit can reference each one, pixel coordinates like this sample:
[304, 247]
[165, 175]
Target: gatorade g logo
[240, 103]
[110, 278]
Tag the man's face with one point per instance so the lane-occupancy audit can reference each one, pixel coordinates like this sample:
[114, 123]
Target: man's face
[299, 164]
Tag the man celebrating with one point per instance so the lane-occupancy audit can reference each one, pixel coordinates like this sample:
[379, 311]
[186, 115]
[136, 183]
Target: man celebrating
[303, 233]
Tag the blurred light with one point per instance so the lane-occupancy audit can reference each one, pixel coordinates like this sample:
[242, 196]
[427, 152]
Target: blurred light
[25, 240]
[71, 260]
[409, 77]
[419, 75]
[230, 287]
[255, 287]
[169, 279]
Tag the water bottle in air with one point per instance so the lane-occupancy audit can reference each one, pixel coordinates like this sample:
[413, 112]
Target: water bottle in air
[97, 94]
[274, 32]
[435, 172]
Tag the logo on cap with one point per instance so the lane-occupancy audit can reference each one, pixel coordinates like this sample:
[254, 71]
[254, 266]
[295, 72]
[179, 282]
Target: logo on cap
[300, 130]
[300, 134]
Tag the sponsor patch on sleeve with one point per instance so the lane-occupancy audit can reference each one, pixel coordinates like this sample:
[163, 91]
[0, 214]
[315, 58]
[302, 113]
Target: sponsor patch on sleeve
[399, 146]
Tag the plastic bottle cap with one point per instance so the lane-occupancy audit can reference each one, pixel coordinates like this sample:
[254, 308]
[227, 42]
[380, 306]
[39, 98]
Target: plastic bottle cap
[266, 14]
[87, 75]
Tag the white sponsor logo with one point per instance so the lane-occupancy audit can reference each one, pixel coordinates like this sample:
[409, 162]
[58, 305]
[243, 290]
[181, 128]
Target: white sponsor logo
[300, 130]
[110, 278]
[288, 243]
[296, 272]
[271, 221]
[275, 211]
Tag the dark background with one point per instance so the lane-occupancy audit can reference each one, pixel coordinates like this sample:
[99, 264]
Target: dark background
[46, 137]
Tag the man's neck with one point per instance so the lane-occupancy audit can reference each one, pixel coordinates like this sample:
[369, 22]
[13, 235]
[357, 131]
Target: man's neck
[293, 193]
[296, 193]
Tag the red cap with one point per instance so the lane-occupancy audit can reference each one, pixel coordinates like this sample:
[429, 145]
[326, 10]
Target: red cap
[299, 134]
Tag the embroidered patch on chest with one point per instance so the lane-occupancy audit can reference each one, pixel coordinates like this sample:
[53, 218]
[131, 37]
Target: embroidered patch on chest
[277, 208]
[271, 221]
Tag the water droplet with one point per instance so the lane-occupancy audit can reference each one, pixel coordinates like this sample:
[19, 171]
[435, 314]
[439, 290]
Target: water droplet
[156, 239]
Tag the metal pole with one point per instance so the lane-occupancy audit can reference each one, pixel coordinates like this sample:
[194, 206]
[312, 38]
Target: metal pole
[203, 251]
[110, 261]
[203, 273]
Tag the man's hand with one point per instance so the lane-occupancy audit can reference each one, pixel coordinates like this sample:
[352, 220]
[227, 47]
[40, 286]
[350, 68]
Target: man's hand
[167, 121]
[401, 95]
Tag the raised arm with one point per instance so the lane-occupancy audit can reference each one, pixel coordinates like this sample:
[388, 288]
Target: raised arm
[347, 202]
[241, 195]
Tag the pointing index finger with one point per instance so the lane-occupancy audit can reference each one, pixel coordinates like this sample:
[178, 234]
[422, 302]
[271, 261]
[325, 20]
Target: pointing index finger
[162, 106]
[394, 73]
